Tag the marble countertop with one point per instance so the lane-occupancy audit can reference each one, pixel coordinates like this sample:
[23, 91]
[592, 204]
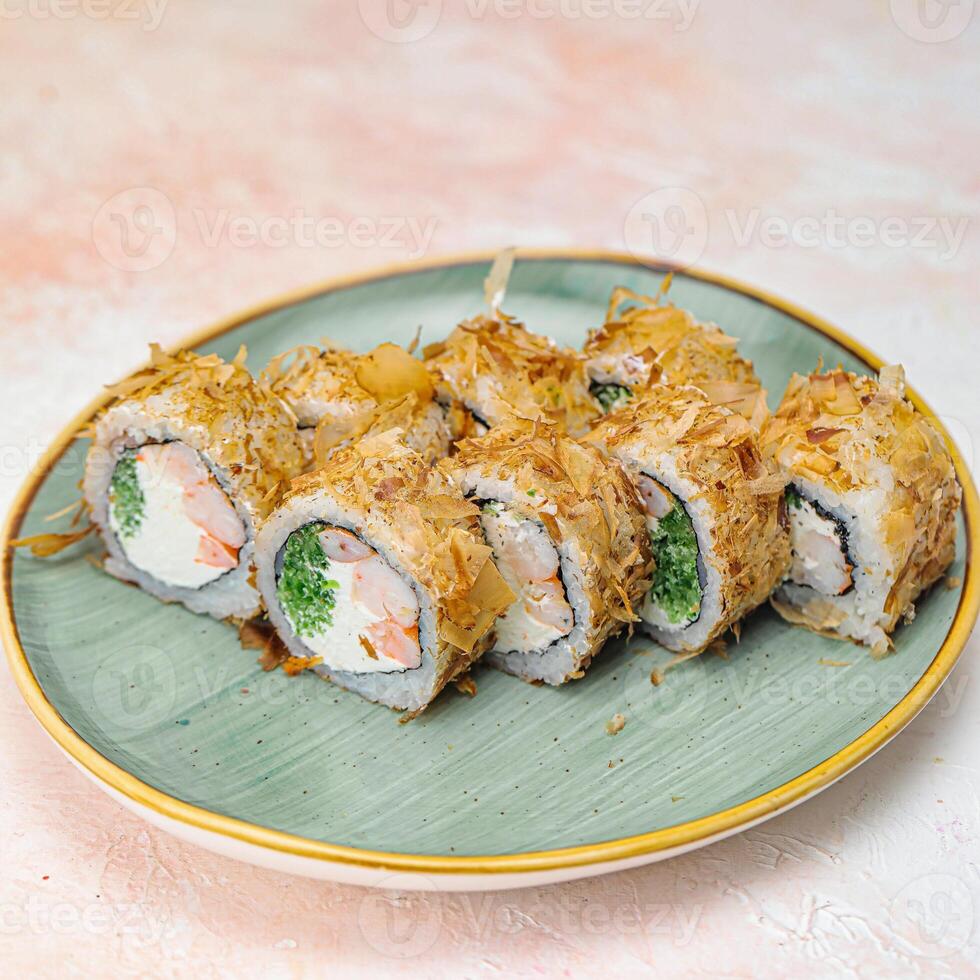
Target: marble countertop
[165, 163]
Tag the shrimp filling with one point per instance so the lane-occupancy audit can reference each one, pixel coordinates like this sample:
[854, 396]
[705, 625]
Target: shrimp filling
[346, 603]
[527, 559]
[674, 599]
[819, 543]
[171, 518]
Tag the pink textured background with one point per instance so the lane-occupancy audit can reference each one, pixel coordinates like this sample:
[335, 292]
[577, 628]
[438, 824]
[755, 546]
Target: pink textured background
[489, 130]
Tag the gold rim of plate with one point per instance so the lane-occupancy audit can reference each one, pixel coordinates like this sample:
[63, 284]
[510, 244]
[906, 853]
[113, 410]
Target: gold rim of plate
[680, 835]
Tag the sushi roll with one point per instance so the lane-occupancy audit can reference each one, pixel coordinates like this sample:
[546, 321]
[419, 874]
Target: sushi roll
[184, 465]
[375, 568]
[338, 396]
[496, 368]
[713, 509]
[652, 342]
[872, 500]
[567, 536]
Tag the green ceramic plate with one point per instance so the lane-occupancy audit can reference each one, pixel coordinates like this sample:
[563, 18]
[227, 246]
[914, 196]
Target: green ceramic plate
[170, 713]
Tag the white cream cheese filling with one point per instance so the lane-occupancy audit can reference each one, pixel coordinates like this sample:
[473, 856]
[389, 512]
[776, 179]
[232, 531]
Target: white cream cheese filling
[528, 562]
[818, 557]
[339, 645]
[168, 544]
[618, 369]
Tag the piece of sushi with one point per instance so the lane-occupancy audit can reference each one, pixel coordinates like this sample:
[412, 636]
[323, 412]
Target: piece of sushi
[646, 341]
[338, 396]
[713, 509]
[872, 501]
[184, 465]
[568, 537]
[496, 369]
[375, 566]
